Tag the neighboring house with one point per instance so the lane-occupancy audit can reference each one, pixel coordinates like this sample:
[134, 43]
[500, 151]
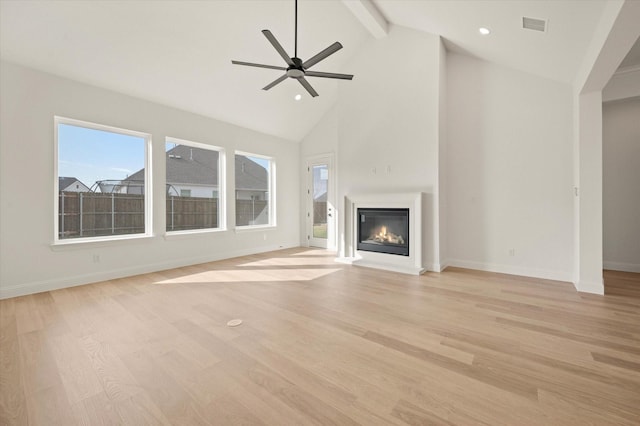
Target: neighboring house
[251, 180]
[193, 172]
[71, 184]
[320, 179]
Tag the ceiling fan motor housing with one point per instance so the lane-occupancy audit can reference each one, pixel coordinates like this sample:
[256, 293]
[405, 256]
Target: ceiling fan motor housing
[295, 70]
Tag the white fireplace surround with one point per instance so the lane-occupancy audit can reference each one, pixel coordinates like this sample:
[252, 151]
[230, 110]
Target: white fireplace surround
[411, 264]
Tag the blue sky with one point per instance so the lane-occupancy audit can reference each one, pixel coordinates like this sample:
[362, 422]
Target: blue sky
[91, 155]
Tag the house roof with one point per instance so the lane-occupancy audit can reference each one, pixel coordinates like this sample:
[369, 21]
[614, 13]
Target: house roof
[196, 166]
[66, 181]
[320, 197]
[250, 176]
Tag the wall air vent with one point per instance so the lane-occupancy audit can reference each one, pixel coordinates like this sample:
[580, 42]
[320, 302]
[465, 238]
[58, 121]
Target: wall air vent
[534, 24]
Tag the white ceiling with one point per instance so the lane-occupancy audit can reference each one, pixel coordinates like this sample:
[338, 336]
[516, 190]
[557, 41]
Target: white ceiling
[632, 59]
[179, 53]
[555, 54]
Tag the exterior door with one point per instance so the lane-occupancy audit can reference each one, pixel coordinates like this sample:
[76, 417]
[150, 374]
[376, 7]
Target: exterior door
[320, 210]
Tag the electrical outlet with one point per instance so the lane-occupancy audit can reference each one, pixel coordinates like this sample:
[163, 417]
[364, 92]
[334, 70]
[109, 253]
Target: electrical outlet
[96, 258]
[512, 252]
[264, 237]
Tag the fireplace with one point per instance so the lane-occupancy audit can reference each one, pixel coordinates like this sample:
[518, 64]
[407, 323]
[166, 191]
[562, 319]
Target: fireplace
[383, 230]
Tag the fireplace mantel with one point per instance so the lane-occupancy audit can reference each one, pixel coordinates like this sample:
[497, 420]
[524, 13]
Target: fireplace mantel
[411, 264]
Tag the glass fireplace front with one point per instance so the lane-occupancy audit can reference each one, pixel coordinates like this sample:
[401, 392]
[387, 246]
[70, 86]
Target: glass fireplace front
[384, 230]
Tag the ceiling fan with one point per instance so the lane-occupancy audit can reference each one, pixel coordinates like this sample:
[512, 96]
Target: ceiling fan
[296, 68]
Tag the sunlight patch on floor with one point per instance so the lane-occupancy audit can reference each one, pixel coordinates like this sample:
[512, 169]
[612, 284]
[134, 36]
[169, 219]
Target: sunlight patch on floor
[292, 261]
[317, 252]
[251, 276]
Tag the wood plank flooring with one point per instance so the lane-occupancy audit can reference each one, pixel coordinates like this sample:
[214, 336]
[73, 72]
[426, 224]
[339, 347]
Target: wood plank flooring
[322, 343]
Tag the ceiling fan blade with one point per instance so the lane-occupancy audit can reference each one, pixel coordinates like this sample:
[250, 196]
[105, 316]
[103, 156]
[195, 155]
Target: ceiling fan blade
[278, 47]
[307, 86]
[328, 75]
[276, 81]
[251, 64]
[322, 55]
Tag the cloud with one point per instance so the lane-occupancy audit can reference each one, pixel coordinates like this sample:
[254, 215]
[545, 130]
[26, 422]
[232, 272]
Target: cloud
[119, 169]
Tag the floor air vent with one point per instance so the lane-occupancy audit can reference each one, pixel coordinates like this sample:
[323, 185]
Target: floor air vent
[534, 24]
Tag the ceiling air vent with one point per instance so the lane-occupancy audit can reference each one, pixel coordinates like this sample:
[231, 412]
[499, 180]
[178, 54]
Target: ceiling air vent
[534, 24]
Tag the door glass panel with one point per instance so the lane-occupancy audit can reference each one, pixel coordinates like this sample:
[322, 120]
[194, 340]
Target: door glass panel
[319, 188]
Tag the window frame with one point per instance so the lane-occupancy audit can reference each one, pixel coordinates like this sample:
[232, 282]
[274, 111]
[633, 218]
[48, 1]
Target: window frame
[148, 184]
[222, 202]
[271, 189]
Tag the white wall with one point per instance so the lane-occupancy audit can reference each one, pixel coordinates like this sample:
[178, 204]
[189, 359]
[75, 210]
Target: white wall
[443, 212]
[590, 192]
[509, 170]
[621, 184]
[28, 262]
[614, 36]
[387, 126]
[624, 84]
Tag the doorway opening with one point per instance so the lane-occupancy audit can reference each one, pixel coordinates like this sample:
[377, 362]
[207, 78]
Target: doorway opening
[320, 204]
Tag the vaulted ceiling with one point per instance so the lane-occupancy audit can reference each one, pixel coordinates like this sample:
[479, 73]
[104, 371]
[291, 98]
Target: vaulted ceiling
[179, 53]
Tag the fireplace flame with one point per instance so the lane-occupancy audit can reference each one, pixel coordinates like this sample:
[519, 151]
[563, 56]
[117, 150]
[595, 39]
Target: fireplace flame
[383, 236]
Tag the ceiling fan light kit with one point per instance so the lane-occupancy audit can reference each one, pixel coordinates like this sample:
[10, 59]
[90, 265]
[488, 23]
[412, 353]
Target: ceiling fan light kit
[296, 68]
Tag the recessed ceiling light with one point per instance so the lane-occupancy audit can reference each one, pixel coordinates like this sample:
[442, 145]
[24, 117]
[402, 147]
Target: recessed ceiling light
[298, 97]
[484, 31]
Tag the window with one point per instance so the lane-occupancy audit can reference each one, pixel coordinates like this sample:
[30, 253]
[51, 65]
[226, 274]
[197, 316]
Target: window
[194, 180]
[255, 183]
[102, 182]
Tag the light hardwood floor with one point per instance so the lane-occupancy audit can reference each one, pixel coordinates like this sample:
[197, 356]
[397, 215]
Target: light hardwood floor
[321, 343]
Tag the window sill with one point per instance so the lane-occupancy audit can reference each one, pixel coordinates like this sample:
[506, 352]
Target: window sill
[170, 235]
[253, 228]
[81, 243]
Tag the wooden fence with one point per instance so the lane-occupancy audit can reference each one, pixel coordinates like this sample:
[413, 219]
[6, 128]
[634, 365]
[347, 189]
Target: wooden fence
[184, 213]
[251, 212]
[94, 214]
[319, 212]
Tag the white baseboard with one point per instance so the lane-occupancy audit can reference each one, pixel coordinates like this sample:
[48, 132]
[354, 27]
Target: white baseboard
[511, 270]
[620, 266]
[389, 267]
[437, 267]
[56, 284]
[590, 287]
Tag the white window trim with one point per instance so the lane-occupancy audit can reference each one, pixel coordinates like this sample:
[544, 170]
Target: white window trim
[222, 191]
[148, 186]
[271, 185]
